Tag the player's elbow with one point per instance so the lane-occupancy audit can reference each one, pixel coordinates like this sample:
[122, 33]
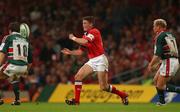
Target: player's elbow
[78, 52]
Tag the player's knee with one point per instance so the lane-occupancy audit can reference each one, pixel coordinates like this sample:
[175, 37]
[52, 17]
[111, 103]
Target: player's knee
[154, 82]
[162, 87]
[159, 87]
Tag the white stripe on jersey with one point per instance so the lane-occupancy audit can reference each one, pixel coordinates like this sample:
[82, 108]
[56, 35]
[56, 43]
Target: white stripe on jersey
[90, 36]
[1, 47]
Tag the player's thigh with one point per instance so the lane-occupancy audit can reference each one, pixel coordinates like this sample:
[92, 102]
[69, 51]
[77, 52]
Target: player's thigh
[2, 75]
[103, 79]
[83, 72]
[14, 71]
[161, 82]
[156, 77]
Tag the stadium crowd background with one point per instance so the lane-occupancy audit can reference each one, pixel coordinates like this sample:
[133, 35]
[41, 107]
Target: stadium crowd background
[126, 27]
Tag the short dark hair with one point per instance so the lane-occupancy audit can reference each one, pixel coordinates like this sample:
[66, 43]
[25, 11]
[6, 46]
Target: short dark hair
[14, 26]
[90, 19]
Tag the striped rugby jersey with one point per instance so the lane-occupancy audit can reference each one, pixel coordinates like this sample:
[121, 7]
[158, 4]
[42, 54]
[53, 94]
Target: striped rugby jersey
[17, 49]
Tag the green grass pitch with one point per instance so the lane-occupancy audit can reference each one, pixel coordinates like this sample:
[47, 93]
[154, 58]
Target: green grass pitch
[90, 107]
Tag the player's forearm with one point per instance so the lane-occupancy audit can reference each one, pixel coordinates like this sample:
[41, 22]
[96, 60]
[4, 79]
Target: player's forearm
[76, 52]
[29, 66]
[155, 60]
[81, 41]
[2, 56]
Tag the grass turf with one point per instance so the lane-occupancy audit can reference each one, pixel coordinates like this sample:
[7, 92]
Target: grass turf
[90, 107]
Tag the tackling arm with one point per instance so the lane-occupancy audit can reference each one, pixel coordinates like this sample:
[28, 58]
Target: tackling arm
[72, 52]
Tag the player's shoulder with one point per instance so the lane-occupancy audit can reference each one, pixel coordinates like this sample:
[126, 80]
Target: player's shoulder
[11, 37]
[165, 34]
[5, 38]
[169, 34]
[94, 30]
[162, 35]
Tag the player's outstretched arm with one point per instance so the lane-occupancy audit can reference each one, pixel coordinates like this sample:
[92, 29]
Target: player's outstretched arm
[72, 52]
[80, 41]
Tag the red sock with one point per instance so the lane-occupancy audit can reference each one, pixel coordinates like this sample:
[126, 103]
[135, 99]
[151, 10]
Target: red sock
[78, 87]
[115, 91]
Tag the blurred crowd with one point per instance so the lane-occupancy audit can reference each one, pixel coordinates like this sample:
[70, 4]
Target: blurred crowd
[126, 27]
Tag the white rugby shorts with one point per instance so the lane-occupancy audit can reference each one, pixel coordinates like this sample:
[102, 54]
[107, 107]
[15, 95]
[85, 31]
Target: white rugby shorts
[169, 67]
[13, 70]
[99, 63]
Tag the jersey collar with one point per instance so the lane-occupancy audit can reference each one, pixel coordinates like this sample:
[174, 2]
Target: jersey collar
[90, 29]
[158, 33]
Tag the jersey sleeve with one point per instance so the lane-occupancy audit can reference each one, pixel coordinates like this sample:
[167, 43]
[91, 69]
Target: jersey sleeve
[90, 36]
[4, 45]
[159, 46]
[30, 57]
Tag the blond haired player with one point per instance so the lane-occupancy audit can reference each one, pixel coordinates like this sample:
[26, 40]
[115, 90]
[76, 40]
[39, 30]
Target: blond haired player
[166, 52]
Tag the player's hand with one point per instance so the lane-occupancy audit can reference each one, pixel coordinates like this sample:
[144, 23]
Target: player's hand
[72, 37]
[25, 74]
[149, 68]
[154, 67]
[66, 51]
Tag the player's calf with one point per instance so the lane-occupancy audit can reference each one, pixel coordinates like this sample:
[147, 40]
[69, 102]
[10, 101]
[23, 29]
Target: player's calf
[160, 93]
[104, 87]
[16, 91]
[1, 101]
[113, 90]
[78, 77]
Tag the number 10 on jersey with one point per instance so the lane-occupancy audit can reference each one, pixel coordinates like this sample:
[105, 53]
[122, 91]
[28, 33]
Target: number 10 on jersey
[20, 51]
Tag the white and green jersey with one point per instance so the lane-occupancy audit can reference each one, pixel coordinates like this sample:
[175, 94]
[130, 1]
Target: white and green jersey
[165, 46]
[17, 49]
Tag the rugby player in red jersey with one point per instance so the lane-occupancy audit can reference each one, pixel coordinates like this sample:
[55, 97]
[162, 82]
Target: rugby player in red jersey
[91, 42]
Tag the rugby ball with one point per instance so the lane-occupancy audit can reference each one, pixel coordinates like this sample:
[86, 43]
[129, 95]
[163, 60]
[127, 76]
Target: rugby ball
[24, 30]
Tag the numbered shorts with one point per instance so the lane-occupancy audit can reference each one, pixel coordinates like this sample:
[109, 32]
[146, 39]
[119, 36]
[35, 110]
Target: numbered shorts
[169, 67]
[99, 63]
[12, 70]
